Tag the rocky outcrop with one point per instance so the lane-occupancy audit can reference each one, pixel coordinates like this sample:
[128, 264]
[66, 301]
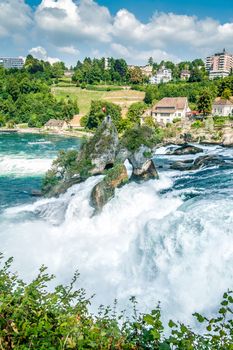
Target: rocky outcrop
[198, 163]
[146, 172]
[102, 148]
[103, 154]
[105, 190]
[185, 149]
[227, 137]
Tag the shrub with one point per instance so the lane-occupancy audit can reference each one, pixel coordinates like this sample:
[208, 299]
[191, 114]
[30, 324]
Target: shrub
[31, 317]
[197, 124]
[133, 138]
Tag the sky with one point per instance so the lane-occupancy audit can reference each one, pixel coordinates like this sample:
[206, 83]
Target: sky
[69, 30]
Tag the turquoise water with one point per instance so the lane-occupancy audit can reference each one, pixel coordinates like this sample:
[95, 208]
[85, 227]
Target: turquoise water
[24, 158]
[168, 240]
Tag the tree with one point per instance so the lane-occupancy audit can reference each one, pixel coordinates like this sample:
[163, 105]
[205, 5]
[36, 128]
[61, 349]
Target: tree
[136, 76]
[135, 111]
[150, 61]
[151, 94]
[226, 94]
[204, 103]
[121, 68]
[97, 113]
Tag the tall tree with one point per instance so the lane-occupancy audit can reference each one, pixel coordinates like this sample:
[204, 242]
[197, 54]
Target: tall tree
[204, 103]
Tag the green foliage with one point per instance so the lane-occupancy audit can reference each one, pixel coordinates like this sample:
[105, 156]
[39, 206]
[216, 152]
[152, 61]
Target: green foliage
[197, 124]
[25, 96]
[97, 115]
[95, 72]
[226, 94]
[152, 94]
[219, 121]
[133, 138]
[204, 103]
[35, 317]
[135, 111]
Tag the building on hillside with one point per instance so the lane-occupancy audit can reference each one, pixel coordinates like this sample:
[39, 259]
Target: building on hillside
[163, 75]
[219, 64]
[11, 62]
[185, 74]
[56, 124]
[147, 70]
[69, 73]
[106, 63]
[75, 122]
[170, 108]
[223, 107]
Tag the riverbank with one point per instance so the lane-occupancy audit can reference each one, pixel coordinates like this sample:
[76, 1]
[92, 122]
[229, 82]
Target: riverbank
[69, 133]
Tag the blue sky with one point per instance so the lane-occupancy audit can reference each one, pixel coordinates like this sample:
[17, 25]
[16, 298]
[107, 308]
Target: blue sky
[221, 10]
[132, 29]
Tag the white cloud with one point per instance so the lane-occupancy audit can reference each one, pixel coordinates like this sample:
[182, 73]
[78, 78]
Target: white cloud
[64, 25]
[41, 54]
[65, 21]
[70, 50]
[15, 18]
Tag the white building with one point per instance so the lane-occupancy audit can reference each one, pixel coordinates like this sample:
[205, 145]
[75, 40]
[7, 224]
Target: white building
[222, 107]
[163, 75]
[11, 62]
[170, 108]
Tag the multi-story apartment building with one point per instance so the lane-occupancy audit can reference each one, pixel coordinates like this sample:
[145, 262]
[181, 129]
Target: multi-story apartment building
[11, 62]
[219, 64]
[163, 75]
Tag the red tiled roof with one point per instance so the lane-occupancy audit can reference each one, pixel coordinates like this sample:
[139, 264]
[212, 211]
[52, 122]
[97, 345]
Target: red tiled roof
[223, 102]
[172, 102]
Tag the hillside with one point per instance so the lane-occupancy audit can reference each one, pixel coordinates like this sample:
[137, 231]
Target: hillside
[124, 98]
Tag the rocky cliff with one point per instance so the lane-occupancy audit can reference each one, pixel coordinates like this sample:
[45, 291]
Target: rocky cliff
[103, 154]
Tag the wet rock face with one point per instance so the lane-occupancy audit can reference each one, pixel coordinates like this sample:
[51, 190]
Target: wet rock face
[198, 163]
[102, 148]
[103, 154]
[185, 149]
[146, 172]
[105, 190]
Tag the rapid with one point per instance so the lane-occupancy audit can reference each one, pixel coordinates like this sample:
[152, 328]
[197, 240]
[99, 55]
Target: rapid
[167, 240]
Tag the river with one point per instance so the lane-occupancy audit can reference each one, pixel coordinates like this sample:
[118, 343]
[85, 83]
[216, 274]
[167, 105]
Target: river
[168, 240]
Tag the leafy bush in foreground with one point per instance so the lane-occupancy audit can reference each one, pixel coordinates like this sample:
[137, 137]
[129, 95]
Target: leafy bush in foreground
[31, 317]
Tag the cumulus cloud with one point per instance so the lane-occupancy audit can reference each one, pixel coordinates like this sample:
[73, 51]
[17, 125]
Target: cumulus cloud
[65, 25]
[15, 18]
[65, 21]
[70, 50]
[41, 54]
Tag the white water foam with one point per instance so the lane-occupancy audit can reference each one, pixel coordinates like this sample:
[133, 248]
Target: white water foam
[143, 243]
[21, 166]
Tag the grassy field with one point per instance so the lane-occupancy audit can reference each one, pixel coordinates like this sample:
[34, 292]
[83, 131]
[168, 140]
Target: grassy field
[123, 98]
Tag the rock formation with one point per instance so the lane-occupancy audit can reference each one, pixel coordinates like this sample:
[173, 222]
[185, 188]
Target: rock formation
[102, 154]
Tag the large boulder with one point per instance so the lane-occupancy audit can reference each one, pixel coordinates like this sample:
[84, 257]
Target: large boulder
[146, 172]
[185, 149]
[105, 190]
[141, 162]
[199, 163]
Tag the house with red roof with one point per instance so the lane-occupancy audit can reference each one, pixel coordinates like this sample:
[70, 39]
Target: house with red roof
[170, 108]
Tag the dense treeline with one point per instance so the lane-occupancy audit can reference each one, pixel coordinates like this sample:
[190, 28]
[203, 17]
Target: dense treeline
[99, 70]
[94, 71]
[31, 317]
[25, 95]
